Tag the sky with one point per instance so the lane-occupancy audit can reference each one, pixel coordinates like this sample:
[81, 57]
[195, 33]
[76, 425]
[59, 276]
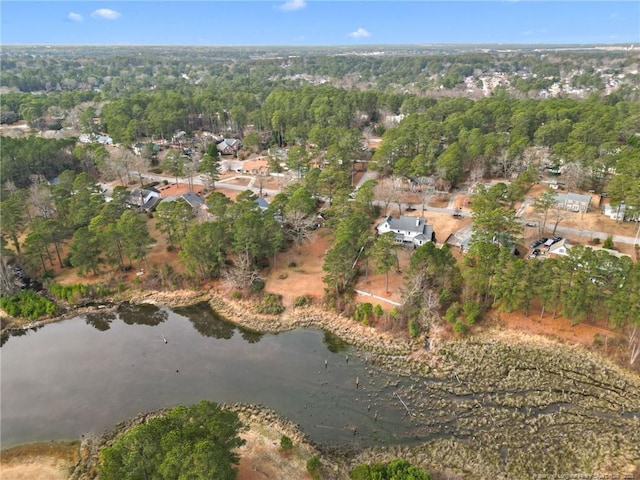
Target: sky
[318, 22]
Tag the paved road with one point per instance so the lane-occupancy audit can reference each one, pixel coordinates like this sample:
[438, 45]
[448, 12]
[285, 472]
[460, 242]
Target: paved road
[589, 234]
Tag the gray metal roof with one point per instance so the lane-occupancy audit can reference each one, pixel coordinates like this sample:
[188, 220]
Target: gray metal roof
[407, 224]
[574, 197]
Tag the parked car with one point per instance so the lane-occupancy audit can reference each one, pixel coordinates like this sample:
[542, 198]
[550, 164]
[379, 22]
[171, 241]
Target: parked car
[538, 242]
[535, 253]
[530, 224]
[556, 239]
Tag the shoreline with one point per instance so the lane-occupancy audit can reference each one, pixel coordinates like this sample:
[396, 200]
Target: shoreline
[467, 366]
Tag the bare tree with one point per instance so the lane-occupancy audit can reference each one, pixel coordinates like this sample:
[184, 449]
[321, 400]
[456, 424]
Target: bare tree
[242, 273]
[573, 175]
[41, 200]
[384, 191]
[477, 173]
[10, 282]
[260, 182]
[634, 343]
[559, 215]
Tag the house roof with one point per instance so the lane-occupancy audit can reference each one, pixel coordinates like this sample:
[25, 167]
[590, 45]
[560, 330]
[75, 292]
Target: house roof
[407, 224]
[192, 199]
[262, 203]
[573, 197]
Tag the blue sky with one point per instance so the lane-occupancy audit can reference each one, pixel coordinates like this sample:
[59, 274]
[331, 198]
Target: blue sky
[318, 22]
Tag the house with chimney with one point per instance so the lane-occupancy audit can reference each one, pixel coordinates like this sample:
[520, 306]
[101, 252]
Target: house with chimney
[414, 230]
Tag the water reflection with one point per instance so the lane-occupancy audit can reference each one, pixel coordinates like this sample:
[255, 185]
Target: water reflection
[334, 343]
[206, 322]
[100, 320]
[144, 314]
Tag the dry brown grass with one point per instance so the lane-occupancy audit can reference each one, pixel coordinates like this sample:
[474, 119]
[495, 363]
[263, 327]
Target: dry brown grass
[39, 461]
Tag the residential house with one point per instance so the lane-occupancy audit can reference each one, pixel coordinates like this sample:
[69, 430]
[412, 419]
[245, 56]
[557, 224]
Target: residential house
[196, 202]
[621, 212]
[138, 148]
[262, 203]
[407, 229]
[228, 146]
[143, 198]
[95, 138]
[574, 202]
[461, 239]
[563, 247]
[560, 248]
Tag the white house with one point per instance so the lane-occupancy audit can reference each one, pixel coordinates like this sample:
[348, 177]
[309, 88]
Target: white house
[560, 248]
[620, 212]
[407, 229]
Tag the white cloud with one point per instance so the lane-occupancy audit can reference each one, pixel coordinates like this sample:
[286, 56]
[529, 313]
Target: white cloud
[74, 17]
[292, 5]
[106, 14]
[360, 33]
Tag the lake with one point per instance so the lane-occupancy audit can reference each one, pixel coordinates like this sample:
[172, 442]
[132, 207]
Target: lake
[82, 376]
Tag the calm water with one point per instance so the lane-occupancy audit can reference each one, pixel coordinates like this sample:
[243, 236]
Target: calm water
[82, 376]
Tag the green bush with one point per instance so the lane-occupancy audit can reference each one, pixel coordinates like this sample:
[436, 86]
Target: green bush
[395, 470]
[414, 328]
[472, 311]
[76, 292]
[363, 312]
[302, 301]
[313, 466]
[270, 303]
[257, 285]
[608, 243]
[377, 311]
[69, 293]
[459, 327]
[27, 304]
[236, 295]
[451, 315]
[286, 444]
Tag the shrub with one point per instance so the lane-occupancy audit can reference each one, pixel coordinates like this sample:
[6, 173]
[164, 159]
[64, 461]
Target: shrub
[459, 327]
[451, 315]
[26, 303]
[292, 264]
[608, 243]
[595, 241]
[257, 285]
[414, 328]
[472, 312]
[377, 311]
[363, 312]
[286, 444]
[271, 304]
[302, 301]
[236, 295]
[313, 466]
[69, 293]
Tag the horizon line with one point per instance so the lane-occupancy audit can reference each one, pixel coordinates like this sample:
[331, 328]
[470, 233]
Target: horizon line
[422, 44]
